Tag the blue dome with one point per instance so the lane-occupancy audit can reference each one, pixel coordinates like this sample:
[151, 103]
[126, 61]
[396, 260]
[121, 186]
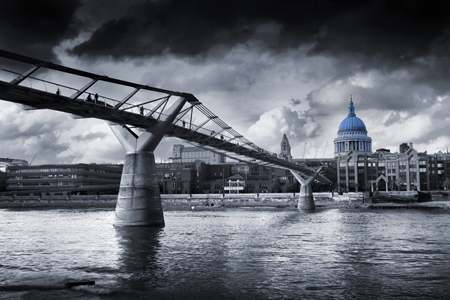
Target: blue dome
[352, 122]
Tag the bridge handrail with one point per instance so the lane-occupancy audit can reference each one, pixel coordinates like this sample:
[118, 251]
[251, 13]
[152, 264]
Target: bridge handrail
[106, 100]
[247, 144]
[190, 99]
[230, 140]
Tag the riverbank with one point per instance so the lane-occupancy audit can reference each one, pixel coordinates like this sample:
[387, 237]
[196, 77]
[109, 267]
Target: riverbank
[423, 205]
[168, 201]
[217, 201]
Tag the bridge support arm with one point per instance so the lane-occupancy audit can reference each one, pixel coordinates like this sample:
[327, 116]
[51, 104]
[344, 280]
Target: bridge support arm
[139, 199]
[306, 199]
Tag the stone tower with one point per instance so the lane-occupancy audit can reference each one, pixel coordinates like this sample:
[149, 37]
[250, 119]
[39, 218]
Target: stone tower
[285, 149]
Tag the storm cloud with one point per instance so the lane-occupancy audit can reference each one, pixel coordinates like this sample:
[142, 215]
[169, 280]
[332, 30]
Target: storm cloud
[294, 64]
[33, 28]
[398, 30]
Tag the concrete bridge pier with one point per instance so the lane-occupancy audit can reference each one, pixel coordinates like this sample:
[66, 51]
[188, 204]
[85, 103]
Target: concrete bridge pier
[139, 200]
[306, 199]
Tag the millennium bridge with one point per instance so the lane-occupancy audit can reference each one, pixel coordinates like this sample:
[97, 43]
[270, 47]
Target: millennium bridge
[139, 121]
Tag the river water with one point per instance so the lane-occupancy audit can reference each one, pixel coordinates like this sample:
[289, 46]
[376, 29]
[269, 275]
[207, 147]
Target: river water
[228, 254]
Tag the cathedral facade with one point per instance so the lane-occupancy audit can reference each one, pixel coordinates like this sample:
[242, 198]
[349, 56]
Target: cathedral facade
[352, 135]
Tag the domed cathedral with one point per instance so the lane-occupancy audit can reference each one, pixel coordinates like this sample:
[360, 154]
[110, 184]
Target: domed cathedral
[352, 135]
[285, 149]
[361, 170]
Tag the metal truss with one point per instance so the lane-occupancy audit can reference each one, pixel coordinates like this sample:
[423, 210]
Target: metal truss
[133, 112]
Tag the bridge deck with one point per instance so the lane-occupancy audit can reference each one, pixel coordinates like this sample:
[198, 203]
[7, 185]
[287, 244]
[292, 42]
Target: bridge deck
[234, 145]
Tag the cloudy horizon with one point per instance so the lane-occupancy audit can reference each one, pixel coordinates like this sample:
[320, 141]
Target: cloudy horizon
[265, 68]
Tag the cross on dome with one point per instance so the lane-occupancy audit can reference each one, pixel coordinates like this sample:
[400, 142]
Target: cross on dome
[351, 109]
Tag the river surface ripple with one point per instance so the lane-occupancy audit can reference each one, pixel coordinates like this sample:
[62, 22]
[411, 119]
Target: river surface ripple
[231, 254]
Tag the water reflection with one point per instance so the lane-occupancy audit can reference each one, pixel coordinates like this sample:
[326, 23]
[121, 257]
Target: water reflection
[358, 251]
[138, 246]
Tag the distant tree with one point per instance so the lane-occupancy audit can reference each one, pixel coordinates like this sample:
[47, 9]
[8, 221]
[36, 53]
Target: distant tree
[286, 187]
[446, 184]
[393, 186]
[401, 184]
[295, 187]
[275, 187]
[330, 173]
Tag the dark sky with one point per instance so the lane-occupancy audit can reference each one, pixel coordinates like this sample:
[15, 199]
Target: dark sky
[267, 67]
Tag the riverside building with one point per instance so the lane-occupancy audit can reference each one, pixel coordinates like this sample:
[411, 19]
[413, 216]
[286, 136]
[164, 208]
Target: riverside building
[5, 163]
[181, 153]
[63, 179]
[406, 170]
[360, 170]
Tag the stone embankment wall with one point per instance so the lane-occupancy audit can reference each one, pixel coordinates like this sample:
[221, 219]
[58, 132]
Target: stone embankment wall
[59, 201]
[230, 200]
[168, 201]
[396, 197]
[286, 200]
[440, 195]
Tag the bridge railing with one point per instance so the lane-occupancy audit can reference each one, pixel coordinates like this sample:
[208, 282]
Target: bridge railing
[64, 90]
[61, 89]
[53, 87]
[225, 137]
[213, 133]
